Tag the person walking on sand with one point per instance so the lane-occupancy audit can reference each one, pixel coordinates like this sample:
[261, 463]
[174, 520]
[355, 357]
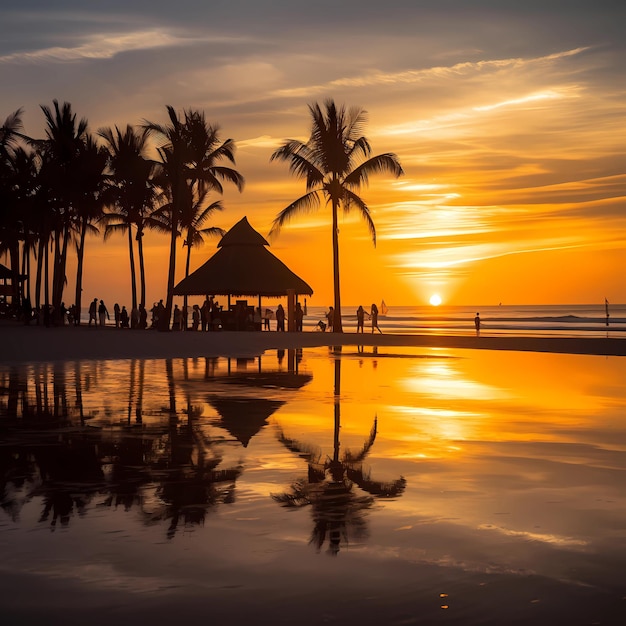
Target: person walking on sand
[360, 319]
[477, 323]
[93, 310]
[103, 313]
[374, 318]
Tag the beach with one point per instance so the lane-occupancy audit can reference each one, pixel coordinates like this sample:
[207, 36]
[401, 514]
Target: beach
[22, 344]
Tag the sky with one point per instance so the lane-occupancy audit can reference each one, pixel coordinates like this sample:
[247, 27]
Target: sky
[508, 119]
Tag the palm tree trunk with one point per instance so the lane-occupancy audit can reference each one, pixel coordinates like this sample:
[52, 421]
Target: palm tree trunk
[337, 327]
[41, 252]
[142, 269]
[59, 286]
[164, 324]
[80, 252]
[185, 300]
[14, 255]
[133, 278]
[46, 285]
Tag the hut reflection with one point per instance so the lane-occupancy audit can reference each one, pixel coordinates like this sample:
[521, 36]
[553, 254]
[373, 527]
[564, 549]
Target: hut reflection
[338, 509]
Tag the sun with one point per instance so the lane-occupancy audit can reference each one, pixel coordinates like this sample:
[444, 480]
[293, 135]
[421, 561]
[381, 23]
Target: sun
[435, 299]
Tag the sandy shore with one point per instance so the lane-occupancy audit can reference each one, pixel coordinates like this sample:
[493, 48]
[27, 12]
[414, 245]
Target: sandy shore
[20, 343]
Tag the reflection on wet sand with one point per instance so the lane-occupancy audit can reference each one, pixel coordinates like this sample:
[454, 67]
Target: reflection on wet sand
[496, 482]
[338, 512]
[164, 460]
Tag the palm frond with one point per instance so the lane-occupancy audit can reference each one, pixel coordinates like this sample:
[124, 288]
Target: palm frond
[353, 200]
[381, 164]
[305, 204]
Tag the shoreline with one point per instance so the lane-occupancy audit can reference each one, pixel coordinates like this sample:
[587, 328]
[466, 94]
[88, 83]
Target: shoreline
[23, 344]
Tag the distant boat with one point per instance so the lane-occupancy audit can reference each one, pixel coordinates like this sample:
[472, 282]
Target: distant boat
[383, 309]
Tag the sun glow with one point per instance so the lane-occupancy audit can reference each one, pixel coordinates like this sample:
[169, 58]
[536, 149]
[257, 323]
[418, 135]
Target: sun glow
[435, 299]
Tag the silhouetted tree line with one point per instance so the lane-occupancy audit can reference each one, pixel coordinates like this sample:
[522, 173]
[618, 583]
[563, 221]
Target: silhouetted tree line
[55, 191]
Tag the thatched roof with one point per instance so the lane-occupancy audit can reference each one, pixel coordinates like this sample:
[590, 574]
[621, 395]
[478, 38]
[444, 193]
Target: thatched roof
[244, 417]
[242, 266]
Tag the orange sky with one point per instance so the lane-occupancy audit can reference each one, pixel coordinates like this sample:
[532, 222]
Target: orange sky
[509, 124]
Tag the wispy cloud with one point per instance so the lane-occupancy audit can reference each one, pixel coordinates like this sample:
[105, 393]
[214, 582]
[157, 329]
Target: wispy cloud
[107, 46]
[438, 72]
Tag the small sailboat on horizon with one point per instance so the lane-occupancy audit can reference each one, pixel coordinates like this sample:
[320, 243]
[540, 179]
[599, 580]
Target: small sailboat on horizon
[383, 309]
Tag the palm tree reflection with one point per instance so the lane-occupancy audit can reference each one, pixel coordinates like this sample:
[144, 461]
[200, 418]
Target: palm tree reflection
[338, 510]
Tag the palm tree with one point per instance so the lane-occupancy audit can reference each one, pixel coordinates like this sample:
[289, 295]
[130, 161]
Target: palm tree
[131, 195]
[64, 143]
[191, 158]
[88, 187]
[11, 224]
[335, 162]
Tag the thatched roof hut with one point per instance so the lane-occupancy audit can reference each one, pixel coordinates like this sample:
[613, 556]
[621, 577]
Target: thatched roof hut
[243, 266]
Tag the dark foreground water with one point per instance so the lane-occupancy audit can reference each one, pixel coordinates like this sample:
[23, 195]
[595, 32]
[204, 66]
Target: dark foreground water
[405, 487]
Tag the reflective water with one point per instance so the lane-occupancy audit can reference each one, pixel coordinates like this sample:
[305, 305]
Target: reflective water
[404, 487]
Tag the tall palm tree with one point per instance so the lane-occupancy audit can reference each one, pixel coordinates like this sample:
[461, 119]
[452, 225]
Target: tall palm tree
[335, 162]
[88, 188]
[65, 143]
[191, 155]
[131, 195]
[10, 219]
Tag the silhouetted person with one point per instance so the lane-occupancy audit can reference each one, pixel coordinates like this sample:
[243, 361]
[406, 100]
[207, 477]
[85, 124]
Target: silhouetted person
[124, 318]
[299, 317]
[93, 311]
[330, 319]
[477, 323]
[134, 317]
[374, 317]
[205, 315]
[360, 319]
[103, 313]
[178, 318]
[143, 317]
[266, 319]
[280, 318]
[195, 317]
[116, 314]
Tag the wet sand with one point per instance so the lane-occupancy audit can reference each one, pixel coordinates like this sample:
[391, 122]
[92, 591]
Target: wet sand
[20, 343]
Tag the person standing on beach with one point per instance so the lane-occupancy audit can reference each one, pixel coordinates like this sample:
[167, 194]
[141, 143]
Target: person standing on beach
[116, 314]
[299, 317]
[195, 317]
[103, 313]
[280, 318]
[374, 318]
[143, 317]
[330, 318]
[477, 323]
[93, 309]
[360, 319]
[124, 318]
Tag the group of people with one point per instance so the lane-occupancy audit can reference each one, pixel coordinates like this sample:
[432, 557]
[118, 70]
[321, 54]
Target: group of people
[360, 319]
[99, 315]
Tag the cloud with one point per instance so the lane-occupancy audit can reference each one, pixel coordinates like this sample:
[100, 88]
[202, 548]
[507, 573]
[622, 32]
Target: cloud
[107, 46]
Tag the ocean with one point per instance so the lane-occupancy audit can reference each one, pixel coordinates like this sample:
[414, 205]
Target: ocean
[565, 320]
